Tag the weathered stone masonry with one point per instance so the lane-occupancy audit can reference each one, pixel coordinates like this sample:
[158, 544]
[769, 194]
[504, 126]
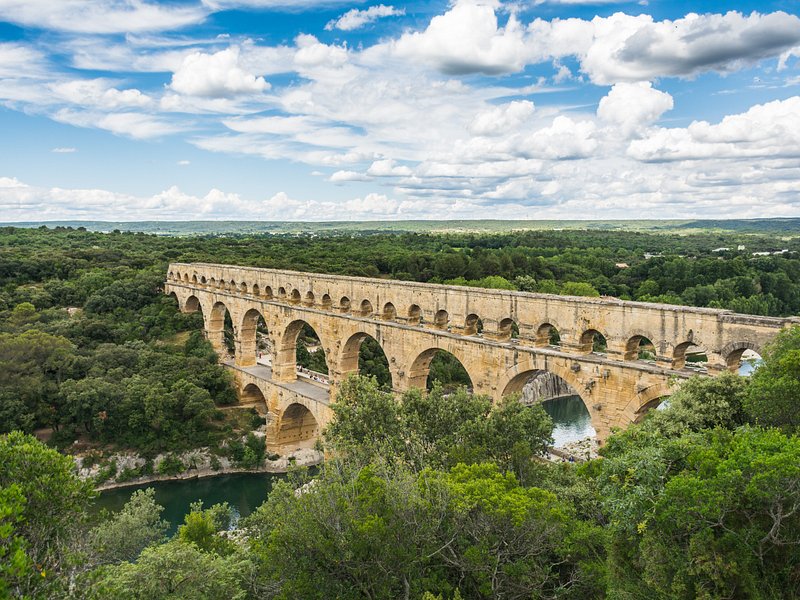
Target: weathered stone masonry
[411, 321]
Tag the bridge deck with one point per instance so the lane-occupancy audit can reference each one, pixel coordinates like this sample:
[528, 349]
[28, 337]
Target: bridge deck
[318, 392]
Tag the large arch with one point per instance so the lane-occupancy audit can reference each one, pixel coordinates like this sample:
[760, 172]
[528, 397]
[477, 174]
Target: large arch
[297, 427]
[285, 364]
[639, 347]
[219, 329]
[547, 334]
[247, 338]
[592, 340]
[363, 354]
[420, 370]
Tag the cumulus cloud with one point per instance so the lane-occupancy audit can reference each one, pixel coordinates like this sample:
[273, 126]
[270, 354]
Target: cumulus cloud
[564, 139]
[468, 39]
[343, 176]
[501, 119]
[388, 168]
[619, 48]
[633, 106]
[768, 131]
[217, 75]
[355, 18]
[627, 48]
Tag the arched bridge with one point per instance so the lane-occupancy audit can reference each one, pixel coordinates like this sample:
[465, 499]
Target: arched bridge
[502, 338]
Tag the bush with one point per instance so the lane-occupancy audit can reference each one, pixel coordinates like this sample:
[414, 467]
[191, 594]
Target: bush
[170, 465]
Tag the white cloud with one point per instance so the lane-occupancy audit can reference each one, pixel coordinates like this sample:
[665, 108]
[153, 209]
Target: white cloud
[767, 131]
[355, 18]
[217, 75]
[184, 163]
[345, 176]
[468, 39]
[100, 93]
[100, 16]
[129, 124]
[388, 168]
[63, 150]
[633, 106]
[502, 119]
[564, 139]
[627, 48]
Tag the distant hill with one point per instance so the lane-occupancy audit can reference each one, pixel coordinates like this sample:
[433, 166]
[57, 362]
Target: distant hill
[781, 226]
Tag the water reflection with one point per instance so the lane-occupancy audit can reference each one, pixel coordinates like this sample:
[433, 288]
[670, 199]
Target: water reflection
[571, 421]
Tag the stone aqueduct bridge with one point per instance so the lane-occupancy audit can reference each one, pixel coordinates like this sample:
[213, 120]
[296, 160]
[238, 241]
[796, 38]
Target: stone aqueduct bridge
[412, 321]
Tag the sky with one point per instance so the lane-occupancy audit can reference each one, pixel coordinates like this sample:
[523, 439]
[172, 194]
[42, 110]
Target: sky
[314, 110]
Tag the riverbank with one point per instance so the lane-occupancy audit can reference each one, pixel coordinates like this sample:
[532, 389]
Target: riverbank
[120, 470]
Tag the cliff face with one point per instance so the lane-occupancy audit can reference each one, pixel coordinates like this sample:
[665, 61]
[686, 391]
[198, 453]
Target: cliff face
[545, 386]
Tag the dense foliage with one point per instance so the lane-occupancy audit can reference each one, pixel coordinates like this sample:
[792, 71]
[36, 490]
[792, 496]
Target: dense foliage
[436, 495]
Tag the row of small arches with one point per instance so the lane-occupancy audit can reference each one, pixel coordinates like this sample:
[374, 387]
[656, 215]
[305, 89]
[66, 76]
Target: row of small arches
[638, 347]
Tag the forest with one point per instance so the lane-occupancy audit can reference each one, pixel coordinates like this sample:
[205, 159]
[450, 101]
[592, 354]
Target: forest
[436, 496]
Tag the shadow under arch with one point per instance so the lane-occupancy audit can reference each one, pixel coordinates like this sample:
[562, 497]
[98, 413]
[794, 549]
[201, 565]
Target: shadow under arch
[252, 396]
[733, 353]
[363, 354]
[297, 427]
[438, 364]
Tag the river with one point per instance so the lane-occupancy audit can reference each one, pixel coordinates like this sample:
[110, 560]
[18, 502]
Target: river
[571, 421]
[244, 492]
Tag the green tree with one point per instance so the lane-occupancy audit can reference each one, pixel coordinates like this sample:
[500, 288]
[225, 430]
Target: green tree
[775, 385]
[173, 571]
[124, 535]
[56, 504]
[14, 562]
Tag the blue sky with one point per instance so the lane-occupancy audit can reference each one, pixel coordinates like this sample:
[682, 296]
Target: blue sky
[305, 110]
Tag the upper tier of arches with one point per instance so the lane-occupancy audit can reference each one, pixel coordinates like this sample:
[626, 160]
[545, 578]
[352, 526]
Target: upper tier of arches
[620, 330]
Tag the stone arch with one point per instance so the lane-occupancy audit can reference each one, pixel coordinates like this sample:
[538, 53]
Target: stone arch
[295, 297]
[592, 340]
[252, 395]
[414, 314]
[216, 330]
[297, 426]
[344, 304]
[170, 275]
[268, 292]
[419, 371]
[256, 290]
[650, 398]
[243, 288]
[191, 305]
[186, 278]
[326, 301]
[636, 345]
[473, 324]
[515, 378]
[732, 353]
[203, 280]
[507, 328]
[212, 282]
[194, 279]
[247, 338]
[441, 319]
[350, 355]
[389, 312]
[366, 310]
[231, 286]
[680, 351]
[281, 293]
[285, 364]
[309, 298]
[547, 334]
